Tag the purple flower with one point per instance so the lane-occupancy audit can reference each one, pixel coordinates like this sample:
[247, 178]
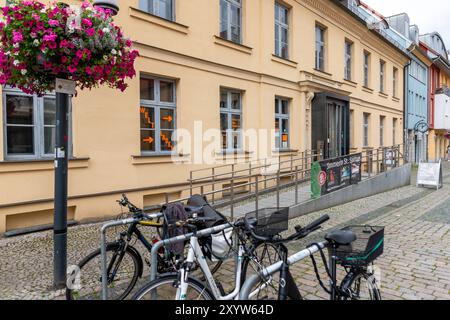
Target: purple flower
[72, 69]
[17, 37]
[90, 32]
[53, 23]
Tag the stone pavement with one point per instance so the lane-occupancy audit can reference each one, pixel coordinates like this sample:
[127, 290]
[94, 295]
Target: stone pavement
[416, 260]
[415, 265]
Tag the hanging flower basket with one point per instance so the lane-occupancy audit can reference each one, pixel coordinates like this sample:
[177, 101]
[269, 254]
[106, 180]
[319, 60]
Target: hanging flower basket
[39, 43]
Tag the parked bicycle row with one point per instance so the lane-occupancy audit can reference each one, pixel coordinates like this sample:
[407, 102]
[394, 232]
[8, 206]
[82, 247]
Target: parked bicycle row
[193, 241]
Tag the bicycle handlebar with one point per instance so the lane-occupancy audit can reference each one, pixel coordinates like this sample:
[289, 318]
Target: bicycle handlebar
[301, 232]
[316, 223]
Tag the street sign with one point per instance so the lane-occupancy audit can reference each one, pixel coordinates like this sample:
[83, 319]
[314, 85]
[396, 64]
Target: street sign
[65, 86]
[430, 174]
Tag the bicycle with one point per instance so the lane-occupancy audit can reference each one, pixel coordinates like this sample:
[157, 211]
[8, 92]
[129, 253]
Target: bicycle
[354, 248]
[181, 286]
[125, 263]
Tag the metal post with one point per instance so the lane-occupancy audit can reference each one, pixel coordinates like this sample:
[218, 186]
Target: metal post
[60, 202]
[213, 185]
[190, 183]
[296, 185]
[166, 196]
[232, 193]
[378, 161]
[257, 192]
[278, 188]
[250, 177]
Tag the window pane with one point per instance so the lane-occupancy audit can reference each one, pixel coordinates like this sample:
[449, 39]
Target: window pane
[236, 140]
[276, 105]
[223, 121]
[20, 140]
[224, 19]
[235, 122]
[147, 118]
[49, 111]
[284, 107]
[223, 100]
[277, 133]
[148, 140]
[236, 101]
[224, 140]
[19, 110]
[167, 142]
[147, 89]
[167, 118]
[166, 91]
[49, 140]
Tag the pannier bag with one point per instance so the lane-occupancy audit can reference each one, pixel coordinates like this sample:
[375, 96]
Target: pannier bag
[172, 213]
[219, 245]
[216, 246]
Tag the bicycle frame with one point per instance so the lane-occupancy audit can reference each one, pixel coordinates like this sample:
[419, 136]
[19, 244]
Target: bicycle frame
[195, 253]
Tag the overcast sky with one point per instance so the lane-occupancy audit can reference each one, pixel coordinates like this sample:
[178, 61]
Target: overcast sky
[429, 15]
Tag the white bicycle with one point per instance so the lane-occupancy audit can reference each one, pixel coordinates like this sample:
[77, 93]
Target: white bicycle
[181, 286]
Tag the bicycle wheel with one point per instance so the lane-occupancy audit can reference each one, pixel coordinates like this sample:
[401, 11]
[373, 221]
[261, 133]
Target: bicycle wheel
[165, 288]
[86, 281]
[265, 254]
[360, 286]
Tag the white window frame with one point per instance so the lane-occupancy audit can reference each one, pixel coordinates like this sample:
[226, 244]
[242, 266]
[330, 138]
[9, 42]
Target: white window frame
[395, 82]
[229, 4]
[279, 28]
[152, 6]
[38, 127]
[320, 44]
[394, 131]
[382, 76]
[280, 116]
[230, 112]
[348, 54]
[366, 130]
[157, 105]
[366, 61]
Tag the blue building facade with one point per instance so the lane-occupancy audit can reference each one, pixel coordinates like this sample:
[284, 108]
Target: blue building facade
[398, 30]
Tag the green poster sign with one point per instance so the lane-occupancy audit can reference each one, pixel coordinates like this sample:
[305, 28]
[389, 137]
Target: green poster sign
[316, 188]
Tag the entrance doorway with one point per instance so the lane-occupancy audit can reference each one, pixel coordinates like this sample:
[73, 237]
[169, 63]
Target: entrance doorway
[331, 125]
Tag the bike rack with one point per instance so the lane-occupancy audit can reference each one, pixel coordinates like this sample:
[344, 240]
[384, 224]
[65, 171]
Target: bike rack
[276, 267]
[104, 228]
[201, 233]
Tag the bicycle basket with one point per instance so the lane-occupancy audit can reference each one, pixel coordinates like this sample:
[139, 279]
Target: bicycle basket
[269, 221]
[368, 246]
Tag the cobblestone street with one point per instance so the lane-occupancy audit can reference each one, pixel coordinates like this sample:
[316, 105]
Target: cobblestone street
[415, 264]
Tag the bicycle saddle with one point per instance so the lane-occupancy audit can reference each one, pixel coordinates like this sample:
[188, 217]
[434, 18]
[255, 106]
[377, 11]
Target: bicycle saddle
[341, 237]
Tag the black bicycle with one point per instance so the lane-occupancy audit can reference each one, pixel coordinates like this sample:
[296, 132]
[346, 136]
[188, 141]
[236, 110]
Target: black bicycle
[125, 264]
[354, 248]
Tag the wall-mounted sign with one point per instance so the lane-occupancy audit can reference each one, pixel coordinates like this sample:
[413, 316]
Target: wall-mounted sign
[390, 159]
[430, 174]
[334, 174]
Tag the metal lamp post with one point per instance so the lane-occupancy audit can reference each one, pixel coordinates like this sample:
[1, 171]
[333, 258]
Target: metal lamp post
[63, 88]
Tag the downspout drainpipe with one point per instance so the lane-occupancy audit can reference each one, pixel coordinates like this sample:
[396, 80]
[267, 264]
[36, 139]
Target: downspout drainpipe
[405, 104]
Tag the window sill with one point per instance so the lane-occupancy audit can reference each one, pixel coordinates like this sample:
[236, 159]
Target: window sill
[232, 45]
[350, 83]
[284, 61]
[159, 159]
[161, 22]
[383, 95]
[284, 151]
[322, 73]
[395, 99]
[9, 166]
[367, 89]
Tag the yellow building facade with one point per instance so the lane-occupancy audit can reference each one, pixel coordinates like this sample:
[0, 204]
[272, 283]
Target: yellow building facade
[188, 73]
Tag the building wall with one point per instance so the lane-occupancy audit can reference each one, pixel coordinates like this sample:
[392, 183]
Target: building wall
[106, 124]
